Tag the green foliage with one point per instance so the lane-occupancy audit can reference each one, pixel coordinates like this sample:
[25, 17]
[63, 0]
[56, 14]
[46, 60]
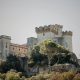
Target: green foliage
[61, 49]
[12, 62]
[2, 76]
[2, 66]
[37, 48]
[71, 75]
[49, 51]
[48, 46]
[62, 58]
[37, 57]
[13, 75]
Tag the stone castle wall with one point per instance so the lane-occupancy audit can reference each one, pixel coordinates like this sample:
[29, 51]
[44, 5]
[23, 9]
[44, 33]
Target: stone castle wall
[4, 46]
[55, 31]
[52, 28]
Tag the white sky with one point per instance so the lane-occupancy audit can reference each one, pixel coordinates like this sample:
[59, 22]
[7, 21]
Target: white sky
[18, 18]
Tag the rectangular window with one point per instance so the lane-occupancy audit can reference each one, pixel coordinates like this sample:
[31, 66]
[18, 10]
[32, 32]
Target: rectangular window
[6, 45]
[43, 34]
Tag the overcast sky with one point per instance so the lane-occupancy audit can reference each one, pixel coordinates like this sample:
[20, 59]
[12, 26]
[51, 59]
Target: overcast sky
[18, 18]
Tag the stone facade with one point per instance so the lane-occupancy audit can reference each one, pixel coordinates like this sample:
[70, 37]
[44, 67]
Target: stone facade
[18, 50]
[55, 33]
[79, 61]
[31, 42]
[6, 48]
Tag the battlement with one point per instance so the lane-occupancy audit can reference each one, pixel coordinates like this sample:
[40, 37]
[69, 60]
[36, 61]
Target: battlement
[6, 37]
[49, 28]
[67, 33]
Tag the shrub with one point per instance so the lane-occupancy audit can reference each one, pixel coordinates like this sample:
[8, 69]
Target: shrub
[77, 77]
[56, 76]
[40, 77]
[12, 76]
[2, 76]
[63, 76]
[68, 75]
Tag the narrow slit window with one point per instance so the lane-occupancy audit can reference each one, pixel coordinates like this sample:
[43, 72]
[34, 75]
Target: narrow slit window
[6, 45]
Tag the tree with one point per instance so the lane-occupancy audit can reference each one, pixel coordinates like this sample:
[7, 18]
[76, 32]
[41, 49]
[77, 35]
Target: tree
[12, 62]
[60, 58]
[37, 58]
[61, 49]
[48, 47]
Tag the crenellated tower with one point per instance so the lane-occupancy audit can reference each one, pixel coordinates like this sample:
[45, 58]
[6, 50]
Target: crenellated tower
[48, 32]
[67, 40]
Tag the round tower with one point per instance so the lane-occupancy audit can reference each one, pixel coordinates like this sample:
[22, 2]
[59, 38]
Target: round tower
[67, 40]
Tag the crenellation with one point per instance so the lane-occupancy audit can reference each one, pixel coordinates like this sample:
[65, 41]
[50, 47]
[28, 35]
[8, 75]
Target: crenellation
[46, 28]
[6, 37]
[67, 33]
[58, 26]
[49, 28]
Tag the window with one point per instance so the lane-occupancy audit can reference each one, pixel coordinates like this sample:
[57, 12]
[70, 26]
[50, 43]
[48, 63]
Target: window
[19, 49]
[43, 34]
[6, 45]
[6, 52]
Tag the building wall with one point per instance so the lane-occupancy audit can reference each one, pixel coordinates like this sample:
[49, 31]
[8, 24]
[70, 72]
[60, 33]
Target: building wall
[79, 61]
[67, 42]
[31, 42]
[18, 49]
[4, 46]
[46, 35]
[0, 50]
[48, 32]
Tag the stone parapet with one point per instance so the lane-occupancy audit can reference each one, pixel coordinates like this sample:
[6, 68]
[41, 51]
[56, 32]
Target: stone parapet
[67, 33]
[6, 37]
[49, 28]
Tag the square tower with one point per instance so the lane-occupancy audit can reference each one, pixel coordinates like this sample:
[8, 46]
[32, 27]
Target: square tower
[4, 46]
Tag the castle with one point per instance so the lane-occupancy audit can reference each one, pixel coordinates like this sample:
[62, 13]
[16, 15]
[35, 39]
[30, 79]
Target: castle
[54, 33]
[6, 48]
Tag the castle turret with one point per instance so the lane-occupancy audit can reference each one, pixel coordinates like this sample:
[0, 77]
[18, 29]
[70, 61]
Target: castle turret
[4, 46]
[67, 40]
